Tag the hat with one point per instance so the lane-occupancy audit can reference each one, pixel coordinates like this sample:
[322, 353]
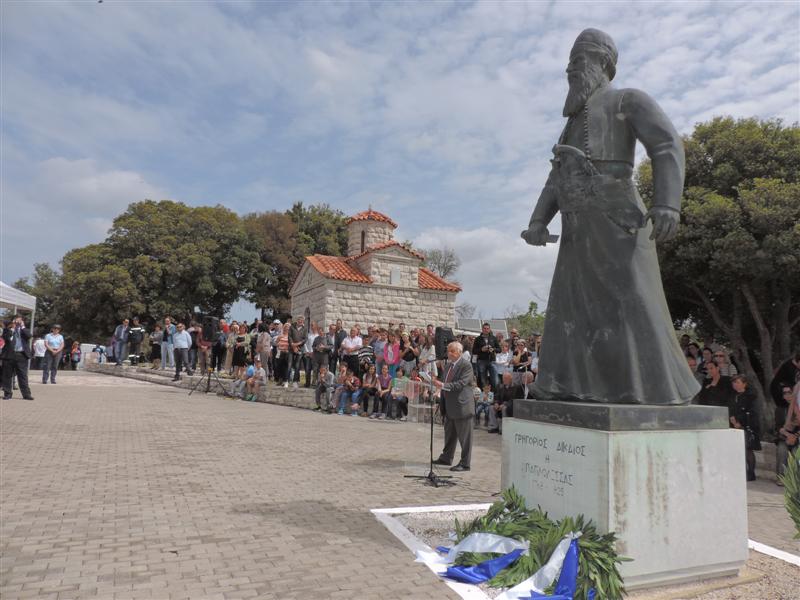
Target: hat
[56, 326]
[594, 40]
[276, 322]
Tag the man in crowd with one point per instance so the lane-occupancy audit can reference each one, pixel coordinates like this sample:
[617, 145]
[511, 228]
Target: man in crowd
[135, 337]
[484, 349]
[458, 407]
[39, 350]
[181, 342]
[121, 334]
[54, 344]
[341, 334]
[297, 339]
[167, 358]
[350, 347]
[787, 375]
[16, 354]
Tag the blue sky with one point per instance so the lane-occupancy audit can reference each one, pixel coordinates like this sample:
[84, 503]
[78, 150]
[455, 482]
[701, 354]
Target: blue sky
[440, 114]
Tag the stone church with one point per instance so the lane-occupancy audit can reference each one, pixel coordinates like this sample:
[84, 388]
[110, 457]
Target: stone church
[379, 282]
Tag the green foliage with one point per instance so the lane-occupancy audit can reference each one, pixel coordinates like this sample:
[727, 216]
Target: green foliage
[280, 251]
[320, 229]
[527, 323]
[734, 267]
[791, 489]
[511, 518]
[45, 286]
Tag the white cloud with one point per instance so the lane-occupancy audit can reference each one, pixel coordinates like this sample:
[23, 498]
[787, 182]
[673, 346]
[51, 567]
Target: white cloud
[65, 204]
[498, 269]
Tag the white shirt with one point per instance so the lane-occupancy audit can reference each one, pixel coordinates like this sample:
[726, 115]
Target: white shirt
[181, 339]
[39, 348]
[352, 343]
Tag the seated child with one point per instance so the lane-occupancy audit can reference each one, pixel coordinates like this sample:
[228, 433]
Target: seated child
[384, 393]
[483, 404]
[351, 393]
[325, 386]
[238, 385]
[399, 398]
[255, 381]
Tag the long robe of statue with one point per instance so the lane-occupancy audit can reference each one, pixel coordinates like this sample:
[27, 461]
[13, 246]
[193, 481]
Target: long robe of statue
[608, 335]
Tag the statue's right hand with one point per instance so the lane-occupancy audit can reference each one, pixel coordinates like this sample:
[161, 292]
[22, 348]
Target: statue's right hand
[536, 234]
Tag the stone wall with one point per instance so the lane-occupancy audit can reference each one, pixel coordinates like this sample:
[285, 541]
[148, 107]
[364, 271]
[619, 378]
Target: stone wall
[380, 304]
[379, 265]
[376, 233]
[313, 297]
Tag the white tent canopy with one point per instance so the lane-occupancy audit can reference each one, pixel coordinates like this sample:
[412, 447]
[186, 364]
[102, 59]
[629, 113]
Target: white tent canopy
[16, 299]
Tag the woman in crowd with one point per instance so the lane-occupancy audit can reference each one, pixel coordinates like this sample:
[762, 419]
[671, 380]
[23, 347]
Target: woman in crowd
[384, 393]
[230, 342]
[391, 353]
[726, 369]
[502, 360]
[743, 416]
[716, 389]
[707, 356]
[241, 351]
[521, 360]
[155, 346]
[369, 389]
[282, 354]
[427, 355]
[75, 356]
[408, 353]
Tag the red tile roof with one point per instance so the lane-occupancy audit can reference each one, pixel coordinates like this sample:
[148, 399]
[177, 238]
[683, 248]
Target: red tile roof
[428, 280]
[342, 268]
[337, 267]
[371, 215]
[388, 244]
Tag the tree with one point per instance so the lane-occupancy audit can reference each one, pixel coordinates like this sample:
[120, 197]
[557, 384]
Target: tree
[100, 293]
[734, 267]
[465, 310]
[276, 237]
[181, 257]
[320, 229]
[444, 262]
[526, 323]
[44, 284]
[160, 258]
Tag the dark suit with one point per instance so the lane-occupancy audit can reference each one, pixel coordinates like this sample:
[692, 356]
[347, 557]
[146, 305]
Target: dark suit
[458, 405]
[16, 362]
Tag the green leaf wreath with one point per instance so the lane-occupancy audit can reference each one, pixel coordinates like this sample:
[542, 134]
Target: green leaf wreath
[791, 493]
[511, 518]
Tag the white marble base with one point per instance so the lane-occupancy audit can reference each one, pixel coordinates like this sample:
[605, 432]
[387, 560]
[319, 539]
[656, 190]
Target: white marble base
[677, 499]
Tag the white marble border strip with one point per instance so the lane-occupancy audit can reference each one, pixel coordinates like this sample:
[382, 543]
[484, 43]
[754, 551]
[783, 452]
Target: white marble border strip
[413, 543]
[774, 552]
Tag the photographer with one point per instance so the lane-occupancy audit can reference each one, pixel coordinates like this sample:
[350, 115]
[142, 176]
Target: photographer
[16, 354]
[484, 349]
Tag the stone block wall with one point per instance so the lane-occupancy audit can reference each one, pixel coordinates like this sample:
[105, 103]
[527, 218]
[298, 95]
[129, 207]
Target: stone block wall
[313, 298]
[376, 233]
[378, 304]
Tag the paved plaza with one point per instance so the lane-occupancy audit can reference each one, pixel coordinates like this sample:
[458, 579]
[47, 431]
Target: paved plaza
[115, 488]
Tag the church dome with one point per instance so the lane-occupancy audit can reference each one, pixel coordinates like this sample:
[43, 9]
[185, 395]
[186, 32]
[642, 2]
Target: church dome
[371, 215]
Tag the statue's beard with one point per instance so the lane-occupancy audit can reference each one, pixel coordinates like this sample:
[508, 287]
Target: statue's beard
[581, 86]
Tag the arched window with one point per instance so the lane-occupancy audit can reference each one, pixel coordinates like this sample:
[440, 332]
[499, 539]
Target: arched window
[363, 239]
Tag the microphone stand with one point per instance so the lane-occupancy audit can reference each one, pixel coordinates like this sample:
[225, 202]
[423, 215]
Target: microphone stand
[432, 478]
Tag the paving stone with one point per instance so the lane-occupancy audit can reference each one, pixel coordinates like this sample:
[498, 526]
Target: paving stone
[117, 488]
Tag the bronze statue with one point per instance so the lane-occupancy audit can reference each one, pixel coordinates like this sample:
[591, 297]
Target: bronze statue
[608, 335]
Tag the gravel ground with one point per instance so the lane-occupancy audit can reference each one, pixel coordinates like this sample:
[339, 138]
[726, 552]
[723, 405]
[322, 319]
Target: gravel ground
[763, 578]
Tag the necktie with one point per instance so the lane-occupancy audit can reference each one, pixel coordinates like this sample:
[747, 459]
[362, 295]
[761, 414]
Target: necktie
[448, 378]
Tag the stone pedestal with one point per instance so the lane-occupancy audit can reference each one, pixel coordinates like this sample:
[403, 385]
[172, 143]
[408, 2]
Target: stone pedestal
[670, 480]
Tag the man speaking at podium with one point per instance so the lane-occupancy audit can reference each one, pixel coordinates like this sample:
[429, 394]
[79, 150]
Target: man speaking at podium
[457, 403]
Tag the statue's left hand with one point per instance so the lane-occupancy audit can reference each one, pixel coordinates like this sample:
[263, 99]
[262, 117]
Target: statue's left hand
[665, 222]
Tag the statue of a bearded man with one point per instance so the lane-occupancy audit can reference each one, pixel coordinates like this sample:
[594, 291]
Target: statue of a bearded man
[608, 335]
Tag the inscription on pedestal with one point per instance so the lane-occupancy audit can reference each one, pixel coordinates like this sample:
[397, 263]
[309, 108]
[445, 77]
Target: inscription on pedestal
[555, 472]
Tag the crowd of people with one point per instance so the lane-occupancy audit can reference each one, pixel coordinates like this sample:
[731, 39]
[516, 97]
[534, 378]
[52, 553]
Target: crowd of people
[378, 372]
[721, 384]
